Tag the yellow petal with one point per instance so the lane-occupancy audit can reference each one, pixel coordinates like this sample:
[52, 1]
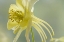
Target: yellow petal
[11, 24]
[26, 3]
[14, 7]
[32, 2]
[18, 35]
[19, 3]
[16, 30]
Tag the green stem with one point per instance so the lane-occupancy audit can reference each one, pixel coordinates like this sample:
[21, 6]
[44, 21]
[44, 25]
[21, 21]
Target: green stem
[32, 35]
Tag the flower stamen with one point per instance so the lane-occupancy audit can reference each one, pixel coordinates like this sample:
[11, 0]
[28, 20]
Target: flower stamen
[16, 15]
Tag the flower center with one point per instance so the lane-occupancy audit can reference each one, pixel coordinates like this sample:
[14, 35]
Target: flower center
[16, 15]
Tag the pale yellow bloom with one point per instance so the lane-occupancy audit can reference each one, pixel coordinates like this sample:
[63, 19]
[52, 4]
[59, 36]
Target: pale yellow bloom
[21, 18]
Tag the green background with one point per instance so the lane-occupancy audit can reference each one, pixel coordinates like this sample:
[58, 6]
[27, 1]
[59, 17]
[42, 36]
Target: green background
[52, 11]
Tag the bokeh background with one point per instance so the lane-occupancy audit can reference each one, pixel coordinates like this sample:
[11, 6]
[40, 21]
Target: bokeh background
[51, 11]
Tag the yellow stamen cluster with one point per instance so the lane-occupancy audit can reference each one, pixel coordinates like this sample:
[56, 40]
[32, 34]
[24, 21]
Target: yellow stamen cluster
[16, 15]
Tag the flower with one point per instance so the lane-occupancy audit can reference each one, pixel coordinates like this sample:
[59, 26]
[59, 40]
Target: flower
[21, 18]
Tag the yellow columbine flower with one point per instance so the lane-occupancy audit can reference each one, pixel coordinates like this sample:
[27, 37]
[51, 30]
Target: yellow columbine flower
[21, 18]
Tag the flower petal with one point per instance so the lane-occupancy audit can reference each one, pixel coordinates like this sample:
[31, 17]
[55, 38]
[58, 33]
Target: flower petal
[14, 7]
[26, 3]
[18, 35]
[11, 24]
[16, 30]
[32, 2]
[28, 30]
